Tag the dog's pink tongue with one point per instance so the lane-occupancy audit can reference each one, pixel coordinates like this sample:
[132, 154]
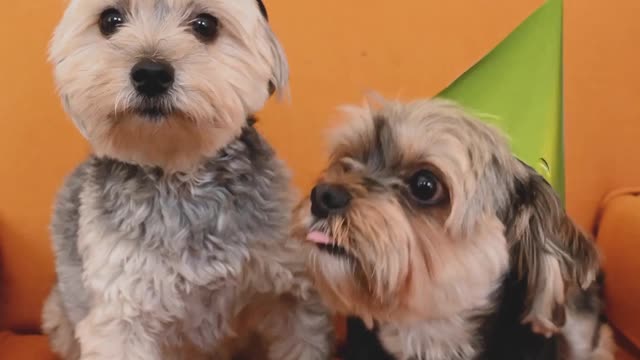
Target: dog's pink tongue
[318, 237]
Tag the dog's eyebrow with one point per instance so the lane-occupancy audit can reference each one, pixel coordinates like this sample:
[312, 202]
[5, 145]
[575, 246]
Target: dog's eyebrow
[123, 4]
[379, 143]
[373, 184]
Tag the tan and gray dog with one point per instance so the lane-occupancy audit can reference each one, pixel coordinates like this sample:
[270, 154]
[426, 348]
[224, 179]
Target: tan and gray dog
[428, 230]
[172, 240]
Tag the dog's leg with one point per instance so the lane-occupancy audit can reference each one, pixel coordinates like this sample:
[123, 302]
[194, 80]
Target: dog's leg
[606, 348]
[586, 334]
[58, 327]
[588, 339]
[300, 329]
[117, 331]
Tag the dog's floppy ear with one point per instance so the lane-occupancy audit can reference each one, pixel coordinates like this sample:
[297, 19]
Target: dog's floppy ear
[279, 66]
[549, 252]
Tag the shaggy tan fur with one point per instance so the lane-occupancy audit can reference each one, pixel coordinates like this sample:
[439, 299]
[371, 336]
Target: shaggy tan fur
[422, 272]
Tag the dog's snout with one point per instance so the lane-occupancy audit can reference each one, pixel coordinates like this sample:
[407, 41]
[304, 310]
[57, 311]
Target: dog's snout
[327, 199]
[152, 78]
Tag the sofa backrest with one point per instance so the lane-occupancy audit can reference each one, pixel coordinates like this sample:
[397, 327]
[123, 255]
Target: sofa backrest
[602, 92]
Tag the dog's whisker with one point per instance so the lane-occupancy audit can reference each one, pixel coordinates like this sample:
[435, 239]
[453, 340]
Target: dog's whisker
[116, 103]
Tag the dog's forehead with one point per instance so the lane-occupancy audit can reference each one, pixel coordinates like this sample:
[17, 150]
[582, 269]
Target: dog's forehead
[149, 21]
[405, 135]
[256, 6]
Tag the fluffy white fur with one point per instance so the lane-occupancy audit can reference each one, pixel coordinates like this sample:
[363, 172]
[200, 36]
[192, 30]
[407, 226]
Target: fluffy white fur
[217, 84]
[172, 240]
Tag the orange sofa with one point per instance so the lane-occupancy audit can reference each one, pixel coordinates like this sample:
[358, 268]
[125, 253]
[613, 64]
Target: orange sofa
[602, 154]
[619, 238]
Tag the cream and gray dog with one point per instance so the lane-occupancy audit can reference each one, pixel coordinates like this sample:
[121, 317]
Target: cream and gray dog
[172, 240]
[443, 246]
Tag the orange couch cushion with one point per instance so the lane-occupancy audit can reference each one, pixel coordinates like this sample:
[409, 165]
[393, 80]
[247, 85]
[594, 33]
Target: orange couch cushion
[601, 85]
[622, 354]
[619, 238]
[24, 347]
[39, 146]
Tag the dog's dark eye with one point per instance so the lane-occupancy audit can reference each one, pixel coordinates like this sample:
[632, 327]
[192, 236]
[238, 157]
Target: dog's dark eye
[205, 26]
[110, 20]
[426, 188]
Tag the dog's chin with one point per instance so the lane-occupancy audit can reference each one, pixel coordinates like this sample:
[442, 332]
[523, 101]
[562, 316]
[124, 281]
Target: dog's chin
[154, 113]
[168, 138]
[345, 278]
[339, 279]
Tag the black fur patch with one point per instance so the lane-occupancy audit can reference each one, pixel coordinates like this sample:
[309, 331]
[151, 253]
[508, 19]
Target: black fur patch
[257, 149]
[362, 343]
[523, 195]
[263, 9]
[503, 337]
[380, 144]
[272, 88]
[500, 337]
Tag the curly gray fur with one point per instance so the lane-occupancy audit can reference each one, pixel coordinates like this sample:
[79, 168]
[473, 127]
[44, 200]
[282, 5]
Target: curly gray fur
[190, 251]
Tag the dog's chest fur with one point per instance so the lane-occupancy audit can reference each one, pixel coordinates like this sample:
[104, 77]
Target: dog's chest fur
[179, 247]
[497, 334]
[454, 338]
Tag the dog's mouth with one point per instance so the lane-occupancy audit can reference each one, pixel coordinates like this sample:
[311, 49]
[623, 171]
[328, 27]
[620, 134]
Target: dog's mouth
[153, 109]
[153, 112]
[326, 244]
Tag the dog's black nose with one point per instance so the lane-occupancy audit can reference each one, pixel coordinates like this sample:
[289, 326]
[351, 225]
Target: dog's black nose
[327, 199]
[152, 78]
